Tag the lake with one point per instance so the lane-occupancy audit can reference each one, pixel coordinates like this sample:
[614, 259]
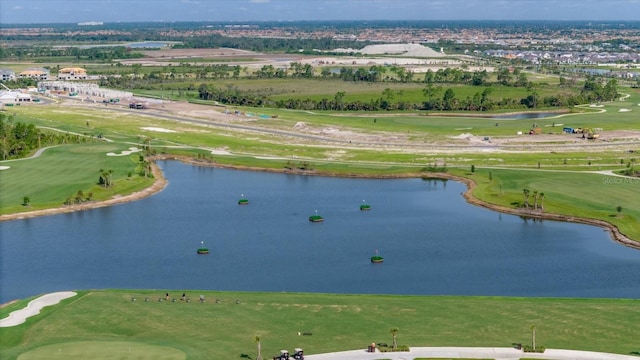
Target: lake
[525, 115]
[432, 241]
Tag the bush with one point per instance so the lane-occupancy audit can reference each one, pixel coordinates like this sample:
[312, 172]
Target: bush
[530, 349]
[386, 348]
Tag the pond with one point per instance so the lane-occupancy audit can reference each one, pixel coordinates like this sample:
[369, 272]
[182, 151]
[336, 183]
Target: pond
[525, 115]
[432, 241]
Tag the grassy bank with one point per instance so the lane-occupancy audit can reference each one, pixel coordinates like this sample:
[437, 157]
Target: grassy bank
[213, 330]
[60, 172]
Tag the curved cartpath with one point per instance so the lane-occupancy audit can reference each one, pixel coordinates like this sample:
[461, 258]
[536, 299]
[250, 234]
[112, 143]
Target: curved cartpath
[470, 353]
[33, 308]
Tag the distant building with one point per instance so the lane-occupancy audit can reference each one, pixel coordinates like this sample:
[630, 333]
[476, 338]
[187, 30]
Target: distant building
[13, 97]
[80, 88]
[72, 73]
[36, 74]
[7, 75]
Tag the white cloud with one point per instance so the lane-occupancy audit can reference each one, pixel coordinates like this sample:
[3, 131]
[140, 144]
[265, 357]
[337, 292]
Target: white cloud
[259, 1]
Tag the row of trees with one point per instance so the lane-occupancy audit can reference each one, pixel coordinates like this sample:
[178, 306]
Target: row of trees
[97, 54]
[538, 200]
[448, 101]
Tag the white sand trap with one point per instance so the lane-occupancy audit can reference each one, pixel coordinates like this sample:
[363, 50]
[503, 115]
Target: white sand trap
[462, 136]
[157, 129]
[125, 152]
[33, 308]
[4, 167]
[624, 110]
[554, 125]
[596, 105]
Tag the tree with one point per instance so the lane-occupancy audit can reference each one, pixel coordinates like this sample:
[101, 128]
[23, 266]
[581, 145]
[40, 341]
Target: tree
[448, 99]
[535, 199]
[619, 209]
[26, 200]
[339, 100]
[504, 76]
[394, 334]
[541, 202]
[526, 197]
[533, 337]
[257, 339]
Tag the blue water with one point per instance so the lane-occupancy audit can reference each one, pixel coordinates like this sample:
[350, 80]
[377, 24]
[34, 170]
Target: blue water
[149, 44]
[432, 241]
[525, 115]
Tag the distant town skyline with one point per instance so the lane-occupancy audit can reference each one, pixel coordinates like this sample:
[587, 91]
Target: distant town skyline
[109, 11]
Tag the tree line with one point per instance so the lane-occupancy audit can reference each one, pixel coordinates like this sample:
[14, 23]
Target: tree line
[96, 54]
[594, 90]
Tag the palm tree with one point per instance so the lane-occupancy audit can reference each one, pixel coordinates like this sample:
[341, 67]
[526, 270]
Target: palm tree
[394, 333]
[256, 339]
[526, 197]
[109, 178]
[535, 199]
[533, 337]
[541, 202]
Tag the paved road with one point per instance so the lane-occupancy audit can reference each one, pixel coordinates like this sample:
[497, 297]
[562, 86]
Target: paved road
[470, 353]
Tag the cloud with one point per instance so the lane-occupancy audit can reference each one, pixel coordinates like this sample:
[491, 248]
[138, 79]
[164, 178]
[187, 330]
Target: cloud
[259, 1]
[17, 7]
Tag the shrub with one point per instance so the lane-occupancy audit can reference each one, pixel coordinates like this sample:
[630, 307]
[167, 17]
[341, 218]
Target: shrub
[385, 348]
[530, 349]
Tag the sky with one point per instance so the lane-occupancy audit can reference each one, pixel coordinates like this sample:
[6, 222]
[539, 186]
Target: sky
[72, 11]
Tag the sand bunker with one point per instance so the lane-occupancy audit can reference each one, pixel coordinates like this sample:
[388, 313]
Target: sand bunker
[463, 136]
[596, 106]
[4, 167]
[33, 308]
[157, 129]
[624, 110]
[125, 152]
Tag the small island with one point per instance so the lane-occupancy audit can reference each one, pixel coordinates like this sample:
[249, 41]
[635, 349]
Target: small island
[316, 217]
[365, 206]
[202, 249]
[376, 259]
[243, 200]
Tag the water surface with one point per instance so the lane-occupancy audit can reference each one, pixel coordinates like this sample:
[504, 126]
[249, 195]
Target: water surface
[432, 241]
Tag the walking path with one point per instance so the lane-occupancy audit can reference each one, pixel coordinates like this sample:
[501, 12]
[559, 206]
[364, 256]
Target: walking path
[469, 353]
[33, 308]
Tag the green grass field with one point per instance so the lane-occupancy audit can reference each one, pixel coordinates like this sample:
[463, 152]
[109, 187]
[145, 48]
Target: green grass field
[566, 192]
[97, 322]
[64, 170]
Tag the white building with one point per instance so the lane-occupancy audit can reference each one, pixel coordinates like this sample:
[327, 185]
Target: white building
[13, 97]
[7, 75]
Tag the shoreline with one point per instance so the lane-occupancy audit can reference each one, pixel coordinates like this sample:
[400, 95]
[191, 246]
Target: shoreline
[161, 182]
[158, 185]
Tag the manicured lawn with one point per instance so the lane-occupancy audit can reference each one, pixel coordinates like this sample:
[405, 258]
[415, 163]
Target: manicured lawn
[565, 193]
[80, 326]
[62, 171]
